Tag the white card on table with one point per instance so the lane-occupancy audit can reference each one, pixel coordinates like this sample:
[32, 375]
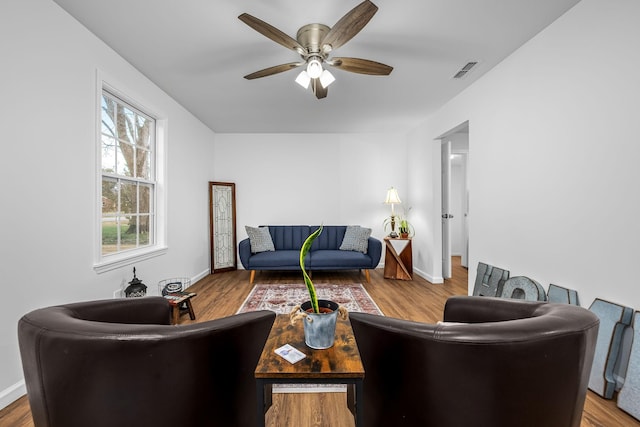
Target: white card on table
[290, 354]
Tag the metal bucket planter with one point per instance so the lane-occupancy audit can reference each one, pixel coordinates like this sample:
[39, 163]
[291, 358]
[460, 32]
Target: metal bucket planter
[320, 328]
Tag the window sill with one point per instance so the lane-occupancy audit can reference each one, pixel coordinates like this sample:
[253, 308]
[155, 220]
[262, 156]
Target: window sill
[120, 260]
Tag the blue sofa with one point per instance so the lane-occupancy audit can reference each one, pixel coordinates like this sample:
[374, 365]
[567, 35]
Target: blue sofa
[325, 253]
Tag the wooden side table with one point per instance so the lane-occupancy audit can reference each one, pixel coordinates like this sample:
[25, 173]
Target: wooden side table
[340, 364]
[398, 266]
[177, 299]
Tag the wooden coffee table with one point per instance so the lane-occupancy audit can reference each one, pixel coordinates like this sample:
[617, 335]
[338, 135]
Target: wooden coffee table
[339, 364]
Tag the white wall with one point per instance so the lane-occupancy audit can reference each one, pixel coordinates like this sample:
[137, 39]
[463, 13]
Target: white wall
[553, 155]
[423, 169]
[47, 167]
[310, 179]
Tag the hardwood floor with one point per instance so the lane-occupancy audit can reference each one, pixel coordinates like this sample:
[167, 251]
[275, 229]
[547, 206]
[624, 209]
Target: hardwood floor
[221, 295]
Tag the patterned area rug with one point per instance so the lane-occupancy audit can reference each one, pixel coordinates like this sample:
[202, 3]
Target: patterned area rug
[283, 298]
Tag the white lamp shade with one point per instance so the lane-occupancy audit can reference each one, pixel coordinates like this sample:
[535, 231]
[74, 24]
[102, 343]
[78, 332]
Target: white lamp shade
[303, 79]
[392, 197]
[314, 68]
[326, 78]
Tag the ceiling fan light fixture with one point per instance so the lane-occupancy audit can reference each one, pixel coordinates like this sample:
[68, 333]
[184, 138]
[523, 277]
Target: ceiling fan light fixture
[314, 68]
[326, 78]
[303, 79]
[314, 42]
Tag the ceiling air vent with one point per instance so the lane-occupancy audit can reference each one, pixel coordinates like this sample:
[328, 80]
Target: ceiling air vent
[464, 70]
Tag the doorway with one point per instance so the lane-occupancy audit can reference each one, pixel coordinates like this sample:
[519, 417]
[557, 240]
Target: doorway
[455, 197]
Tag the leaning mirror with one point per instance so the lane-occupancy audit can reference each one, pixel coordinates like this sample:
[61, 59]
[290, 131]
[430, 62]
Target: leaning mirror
[222, 226]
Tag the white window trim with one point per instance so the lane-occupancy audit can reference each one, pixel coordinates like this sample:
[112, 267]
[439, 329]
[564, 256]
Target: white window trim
[110, 262]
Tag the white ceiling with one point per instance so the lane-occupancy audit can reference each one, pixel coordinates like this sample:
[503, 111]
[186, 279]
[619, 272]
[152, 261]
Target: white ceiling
[198, 52]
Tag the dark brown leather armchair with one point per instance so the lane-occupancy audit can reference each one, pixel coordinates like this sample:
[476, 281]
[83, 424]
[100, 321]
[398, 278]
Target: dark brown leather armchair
[120, 363]
[501, 362]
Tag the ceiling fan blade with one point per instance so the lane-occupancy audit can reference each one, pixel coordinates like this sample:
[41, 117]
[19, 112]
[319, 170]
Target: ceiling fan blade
[361, 66]
[273, 70]
[272, 32]
[350, 25]
[318, 90]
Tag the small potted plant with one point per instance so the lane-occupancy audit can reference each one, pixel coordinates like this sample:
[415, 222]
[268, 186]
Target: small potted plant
[404, 228]
[319, 315]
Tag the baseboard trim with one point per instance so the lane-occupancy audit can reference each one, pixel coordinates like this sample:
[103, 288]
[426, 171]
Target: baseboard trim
[12, 393]
[199, 276]
[429, 278]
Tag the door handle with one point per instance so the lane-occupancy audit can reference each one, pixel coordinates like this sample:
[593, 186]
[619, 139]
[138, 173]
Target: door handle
[447, 216]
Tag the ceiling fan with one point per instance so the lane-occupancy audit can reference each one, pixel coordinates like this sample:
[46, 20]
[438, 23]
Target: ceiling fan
[314, 43]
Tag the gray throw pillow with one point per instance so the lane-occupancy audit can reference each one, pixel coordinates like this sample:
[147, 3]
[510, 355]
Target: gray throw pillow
[356, 238]
[260, 239]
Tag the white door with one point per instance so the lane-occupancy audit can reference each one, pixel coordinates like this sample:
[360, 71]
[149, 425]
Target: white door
[446, 215]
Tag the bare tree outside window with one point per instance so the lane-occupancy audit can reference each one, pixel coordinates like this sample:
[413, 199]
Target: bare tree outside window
[128, 181]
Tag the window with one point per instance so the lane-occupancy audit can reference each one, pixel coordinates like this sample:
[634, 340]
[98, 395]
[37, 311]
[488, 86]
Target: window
[128, 184]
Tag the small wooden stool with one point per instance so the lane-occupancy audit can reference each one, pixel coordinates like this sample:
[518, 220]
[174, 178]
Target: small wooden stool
[176, 299]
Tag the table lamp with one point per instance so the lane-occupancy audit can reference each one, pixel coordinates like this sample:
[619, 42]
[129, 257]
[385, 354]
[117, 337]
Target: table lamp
[392, 199]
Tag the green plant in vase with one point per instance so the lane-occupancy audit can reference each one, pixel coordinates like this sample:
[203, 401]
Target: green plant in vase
[306, 246]
[406, 229]
[319, 315]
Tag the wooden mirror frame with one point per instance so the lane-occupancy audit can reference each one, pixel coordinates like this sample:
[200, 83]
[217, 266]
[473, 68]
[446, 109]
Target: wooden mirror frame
[222, 226]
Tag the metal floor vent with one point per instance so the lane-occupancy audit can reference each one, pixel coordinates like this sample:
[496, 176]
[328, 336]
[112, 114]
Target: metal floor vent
[464, 70]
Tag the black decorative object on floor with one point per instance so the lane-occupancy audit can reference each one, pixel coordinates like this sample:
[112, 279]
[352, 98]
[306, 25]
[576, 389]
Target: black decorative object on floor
[136, 288]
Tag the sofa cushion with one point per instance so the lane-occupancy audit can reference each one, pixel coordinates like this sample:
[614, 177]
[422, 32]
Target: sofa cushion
[337, 259]
[289, 237]
[260, 239]
[356, 238]
[281, 259]
[330, 238]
